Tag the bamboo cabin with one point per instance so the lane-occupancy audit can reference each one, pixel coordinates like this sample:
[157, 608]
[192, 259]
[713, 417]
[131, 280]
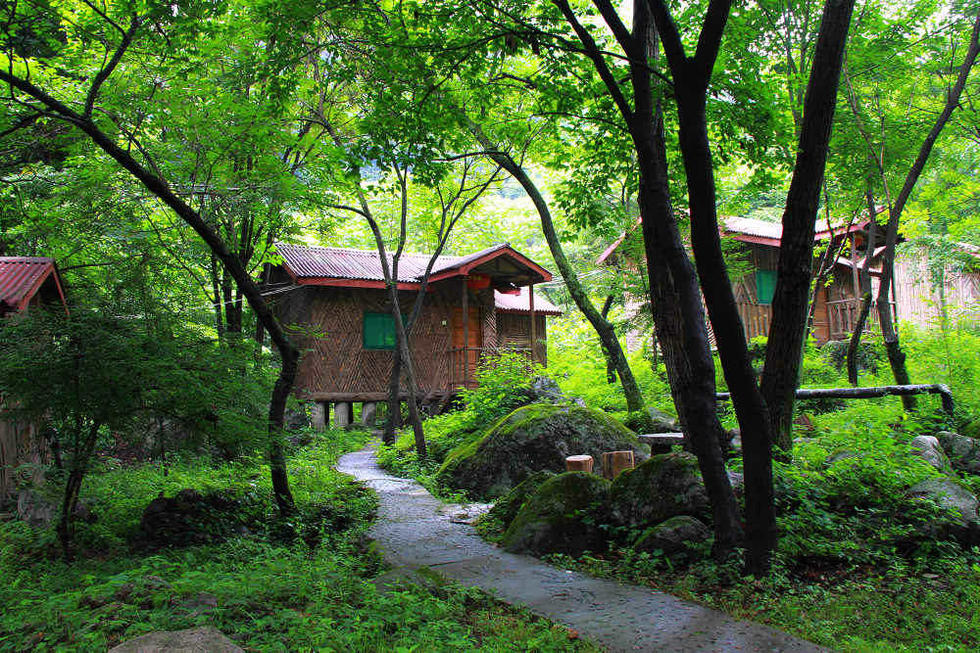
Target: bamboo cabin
[837, 302]
[335, 303]
[26, 283]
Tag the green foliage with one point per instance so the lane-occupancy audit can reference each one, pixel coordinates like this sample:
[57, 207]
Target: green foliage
[576, 362]
[503, 384]
[315, 594]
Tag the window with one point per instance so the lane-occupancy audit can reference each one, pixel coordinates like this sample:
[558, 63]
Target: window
[379, 331]
[765, 286]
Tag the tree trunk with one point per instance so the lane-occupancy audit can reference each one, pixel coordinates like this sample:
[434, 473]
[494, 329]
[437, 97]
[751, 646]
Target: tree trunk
[681, 329]
[610, 363]
[607, 335]
[73, 485]
[394, 401]
[219, 320]
[784, 352]
[896, 358]
[161, 189]
[864, 276]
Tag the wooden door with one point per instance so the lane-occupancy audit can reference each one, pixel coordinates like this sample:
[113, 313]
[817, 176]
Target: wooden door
[466, 356]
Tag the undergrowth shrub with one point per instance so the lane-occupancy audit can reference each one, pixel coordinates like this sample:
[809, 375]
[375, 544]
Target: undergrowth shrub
[503, 384]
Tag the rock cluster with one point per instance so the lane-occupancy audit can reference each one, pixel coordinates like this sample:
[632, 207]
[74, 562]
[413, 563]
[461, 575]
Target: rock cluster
[531, 439]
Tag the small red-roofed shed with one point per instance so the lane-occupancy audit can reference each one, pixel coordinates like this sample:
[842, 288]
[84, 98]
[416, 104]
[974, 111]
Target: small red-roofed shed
[27, 281]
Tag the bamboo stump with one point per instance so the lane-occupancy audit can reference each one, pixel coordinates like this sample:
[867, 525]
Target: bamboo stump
[616, 462]
[579, 464]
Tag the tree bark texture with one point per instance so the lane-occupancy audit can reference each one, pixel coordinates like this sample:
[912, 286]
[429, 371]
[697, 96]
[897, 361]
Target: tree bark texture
[784, 352]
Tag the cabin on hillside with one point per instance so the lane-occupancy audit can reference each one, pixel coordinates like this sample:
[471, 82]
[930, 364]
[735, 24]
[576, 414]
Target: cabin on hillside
[26, 283]
[837, 303]
[337, 309]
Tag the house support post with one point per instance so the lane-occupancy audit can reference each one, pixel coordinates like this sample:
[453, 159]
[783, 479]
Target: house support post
[369, 413]
[318, 415]
[466, 335]
[342, 414]
[534, 326]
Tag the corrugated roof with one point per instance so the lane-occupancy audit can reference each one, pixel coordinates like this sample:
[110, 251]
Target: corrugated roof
[747, 229]
[340, 263]
[754, 227]
[21, 277]
[521, 303]
[310, 262]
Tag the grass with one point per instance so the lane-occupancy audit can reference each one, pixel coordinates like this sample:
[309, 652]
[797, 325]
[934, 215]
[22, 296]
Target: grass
[266, 592]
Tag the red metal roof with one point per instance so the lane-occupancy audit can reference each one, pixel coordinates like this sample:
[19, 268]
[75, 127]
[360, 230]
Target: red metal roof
[521, 303]
[749, 230]
[21, 277]
[334, 265]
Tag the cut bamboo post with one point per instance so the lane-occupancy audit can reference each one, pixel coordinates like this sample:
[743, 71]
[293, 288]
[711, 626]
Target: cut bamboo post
[579, 463]
[616, 462]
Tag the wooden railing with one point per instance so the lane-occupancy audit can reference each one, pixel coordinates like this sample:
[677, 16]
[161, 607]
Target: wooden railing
[842, 315]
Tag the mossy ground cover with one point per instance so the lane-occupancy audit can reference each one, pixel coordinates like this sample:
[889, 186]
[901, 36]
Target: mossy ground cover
[268, 592]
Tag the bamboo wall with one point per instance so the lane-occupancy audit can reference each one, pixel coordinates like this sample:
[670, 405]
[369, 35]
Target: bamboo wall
[515, 334]
[18, 445]
[326, 323]
[920, 303]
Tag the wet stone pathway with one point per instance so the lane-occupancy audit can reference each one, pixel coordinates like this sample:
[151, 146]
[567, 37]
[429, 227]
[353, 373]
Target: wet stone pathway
[416, 530]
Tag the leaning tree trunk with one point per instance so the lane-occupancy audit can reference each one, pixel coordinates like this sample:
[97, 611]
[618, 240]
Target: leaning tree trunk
[610, 363]
[160, 188]
[683, 336]
[893, 348]
[607, 334]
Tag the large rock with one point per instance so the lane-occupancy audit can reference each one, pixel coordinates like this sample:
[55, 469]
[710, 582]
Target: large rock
[664, 486]
[190, 518]
[651, 420]
[531, 439]
[927, 447]
[562, 516]
[963, 451]
[961, 503]
[40, 511]
[206, 639]
[673, 535]
[507, 507]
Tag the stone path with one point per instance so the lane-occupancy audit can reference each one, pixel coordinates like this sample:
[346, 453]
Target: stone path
[414, 529]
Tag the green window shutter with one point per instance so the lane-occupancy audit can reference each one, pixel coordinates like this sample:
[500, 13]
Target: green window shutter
[765, 286]
[379, 331]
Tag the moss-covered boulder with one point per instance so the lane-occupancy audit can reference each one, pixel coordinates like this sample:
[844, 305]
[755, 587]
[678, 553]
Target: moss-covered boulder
[673, 536]
[507, 507]
[562, 516]
[664, 486]
[651, 420]
[532, 439]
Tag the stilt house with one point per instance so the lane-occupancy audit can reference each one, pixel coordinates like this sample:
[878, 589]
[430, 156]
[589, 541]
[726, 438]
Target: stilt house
[336, 306]
[26, 283]
[837, 302]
